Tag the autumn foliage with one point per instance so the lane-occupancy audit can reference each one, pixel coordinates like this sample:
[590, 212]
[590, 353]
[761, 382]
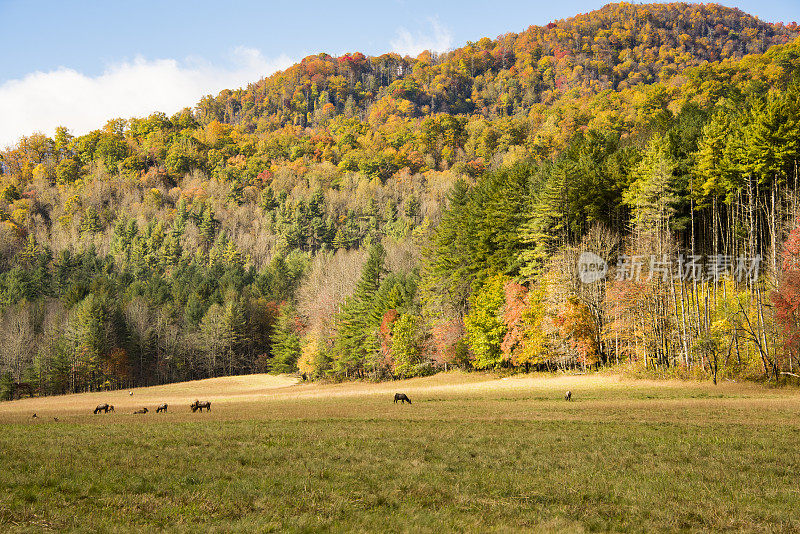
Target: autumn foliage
[377, 217]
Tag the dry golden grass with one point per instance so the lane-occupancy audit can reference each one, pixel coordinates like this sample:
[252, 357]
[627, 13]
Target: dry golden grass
[442, 396]
[225, 389]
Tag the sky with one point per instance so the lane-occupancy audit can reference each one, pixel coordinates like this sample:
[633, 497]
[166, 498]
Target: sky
[80, 63]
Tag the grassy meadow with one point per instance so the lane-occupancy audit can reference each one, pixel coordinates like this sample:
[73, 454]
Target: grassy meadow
[472, 453]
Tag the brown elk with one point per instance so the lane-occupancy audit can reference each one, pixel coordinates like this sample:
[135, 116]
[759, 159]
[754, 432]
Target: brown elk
[402, 397]
[568, 396]
[162, 408]
[143, 410]
[197, 405]
[105, 408]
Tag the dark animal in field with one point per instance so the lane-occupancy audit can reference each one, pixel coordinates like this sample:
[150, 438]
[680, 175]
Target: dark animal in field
[402, 397]
[197, 405]
[130, 393]
[55, 419]
[34, 416]
[568, 396]
[105, 408]
[143, 410]
[162, 408]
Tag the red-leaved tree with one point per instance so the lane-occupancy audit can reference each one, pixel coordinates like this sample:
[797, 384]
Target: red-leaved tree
[787, 297]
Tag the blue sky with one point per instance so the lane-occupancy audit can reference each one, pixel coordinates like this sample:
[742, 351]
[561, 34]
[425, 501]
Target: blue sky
[78, 63]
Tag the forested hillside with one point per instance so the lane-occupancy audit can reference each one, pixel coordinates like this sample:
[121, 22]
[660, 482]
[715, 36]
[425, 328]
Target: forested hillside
[390, 216]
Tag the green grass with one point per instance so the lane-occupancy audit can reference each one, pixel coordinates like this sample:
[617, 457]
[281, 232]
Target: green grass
[623, 457]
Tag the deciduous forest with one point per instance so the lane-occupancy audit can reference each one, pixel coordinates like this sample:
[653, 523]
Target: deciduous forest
[385, 217]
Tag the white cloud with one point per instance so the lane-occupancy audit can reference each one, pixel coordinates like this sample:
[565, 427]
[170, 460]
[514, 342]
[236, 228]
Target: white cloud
[41, 101]
[439, 39]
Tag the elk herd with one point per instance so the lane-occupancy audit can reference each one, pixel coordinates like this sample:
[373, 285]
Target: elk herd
[196, 405]
[206, 405]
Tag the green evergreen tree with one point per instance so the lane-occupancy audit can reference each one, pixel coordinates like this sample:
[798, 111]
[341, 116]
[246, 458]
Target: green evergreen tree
[651, 195]
[268, 201]
[285, 342]
[90, 222]
[356, 330]
[6, 386]
[181, 216]
[208, 227]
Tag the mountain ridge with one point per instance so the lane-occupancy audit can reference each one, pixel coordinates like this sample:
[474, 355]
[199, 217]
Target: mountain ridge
[544, 60]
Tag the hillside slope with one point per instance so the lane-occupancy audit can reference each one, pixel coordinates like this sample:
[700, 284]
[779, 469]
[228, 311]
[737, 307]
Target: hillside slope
[347, 215]
[616, 47]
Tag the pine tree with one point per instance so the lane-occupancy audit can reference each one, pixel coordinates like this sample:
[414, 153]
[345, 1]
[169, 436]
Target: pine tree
[339, 240]
[412, 207]
[208, 227]
[268, 202]
[548, 224]
[29, 252]
[6, 386]
[356, 335]
[285, 342]
[90, 223]
[651, 194]
[181, 216]
[713, 162]
[194, 309]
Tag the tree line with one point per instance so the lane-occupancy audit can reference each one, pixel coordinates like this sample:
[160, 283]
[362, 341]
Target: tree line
[387, 217]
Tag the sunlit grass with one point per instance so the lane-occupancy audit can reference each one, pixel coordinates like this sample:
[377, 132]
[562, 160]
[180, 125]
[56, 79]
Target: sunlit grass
[472, 453]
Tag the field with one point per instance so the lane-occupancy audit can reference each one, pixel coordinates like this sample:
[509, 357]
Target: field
[472, 453]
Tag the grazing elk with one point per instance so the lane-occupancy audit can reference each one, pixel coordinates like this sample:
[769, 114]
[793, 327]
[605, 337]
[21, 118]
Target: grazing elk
[162, 408]
[568, 396]
[143, 410]
[197, 405]
[402, 397]
[105, 408]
